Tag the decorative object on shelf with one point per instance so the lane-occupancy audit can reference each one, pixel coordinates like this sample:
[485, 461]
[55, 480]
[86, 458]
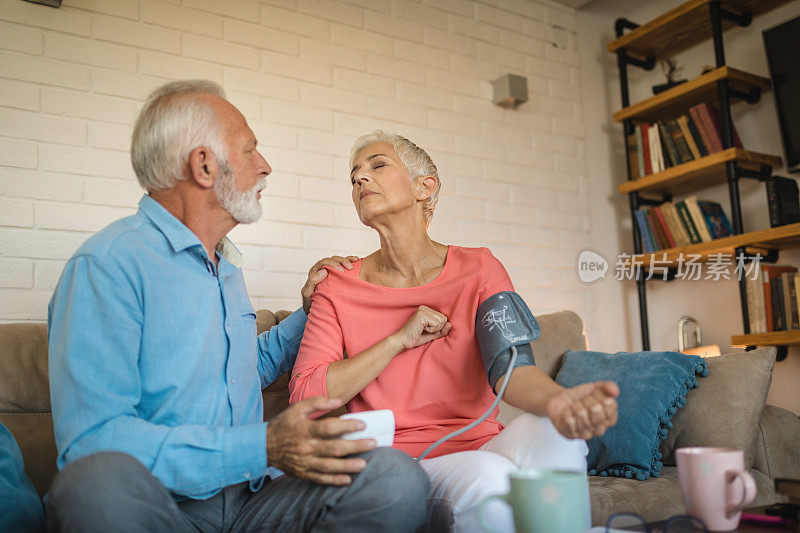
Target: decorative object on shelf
[510, 91]
[671, 71]
[712, 350]
[783, 201]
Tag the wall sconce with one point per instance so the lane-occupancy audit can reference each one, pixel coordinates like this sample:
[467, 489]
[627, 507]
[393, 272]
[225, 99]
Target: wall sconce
[510, 91]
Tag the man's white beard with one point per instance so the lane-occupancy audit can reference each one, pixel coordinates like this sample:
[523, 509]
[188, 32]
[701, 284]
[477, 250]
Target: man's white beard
[243, 206]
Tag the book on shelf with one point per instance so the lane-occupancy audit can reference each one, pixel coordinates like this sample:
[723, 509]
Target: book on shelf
[756, 307]
[677, 224]
[637, 131]
[671, 152]
[688, 223]
[633, 163]
[641, 223]
[718, 224]
[698, 219]
[656, 157]
[683, 123]
[772, 303]
[662, 222]
[783, 201]
[663, 144]
[709, 121]
[659, 239]
[681, 147]
[647, 163]
[778, 312]
[790, 301]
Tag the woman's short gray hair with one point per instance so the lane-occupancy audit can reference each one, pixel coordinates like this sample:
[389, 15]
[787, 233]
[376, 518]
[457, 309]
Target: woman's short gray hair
[415, 159]
[171, 124]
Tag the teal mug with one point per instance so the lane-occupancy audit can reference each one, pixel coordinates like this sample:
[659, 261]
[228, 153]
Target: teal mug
[544, 501]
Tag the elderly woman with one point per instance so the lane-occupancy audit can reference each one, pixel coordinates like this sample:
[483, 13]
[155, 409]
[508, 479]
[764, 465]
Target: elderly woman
[397, 331]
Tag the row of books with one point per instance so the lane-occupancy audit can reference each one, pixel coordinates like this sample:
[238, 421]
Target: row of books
[688, 221]
[772, 303]
[663, 144]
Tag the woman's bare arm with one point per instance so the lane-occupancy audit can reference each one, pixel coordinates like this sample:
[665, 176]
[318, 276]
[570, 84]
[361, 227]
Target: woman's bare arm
[584, 411]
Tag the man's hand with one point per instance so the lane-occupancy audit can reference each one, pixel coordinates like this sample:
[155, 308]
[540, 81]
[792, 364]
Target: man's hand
[311, 449]
[584, 411]
[424, 326]
[318, 273]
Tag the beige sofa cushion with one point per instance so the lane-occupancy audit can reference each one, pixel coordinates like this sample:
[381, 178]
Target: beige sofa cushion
[561, 331]
[25, 398]
[725, 409]
[654, 499]
[24, 385]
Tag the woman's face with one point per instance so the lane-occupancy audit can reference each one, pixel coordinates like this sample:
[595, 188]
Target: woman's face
[380, 184]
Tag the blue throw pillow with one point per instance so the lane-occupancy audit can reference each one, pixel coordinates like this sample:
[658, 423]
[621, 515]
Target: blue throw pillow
[652, 386]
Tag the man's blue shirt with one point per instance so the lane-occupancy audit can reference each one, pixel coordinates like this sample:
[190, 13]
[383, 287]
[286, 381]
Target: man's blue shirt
[153, 352]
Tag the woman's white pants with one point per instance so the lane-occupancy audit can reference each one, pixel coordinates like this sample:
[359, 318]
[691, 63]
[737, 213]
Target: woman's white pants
[463, 480]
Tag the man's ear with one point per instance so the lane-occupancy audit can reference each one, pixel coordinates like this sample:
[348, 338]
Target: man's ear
[203, 167]
[426, 186]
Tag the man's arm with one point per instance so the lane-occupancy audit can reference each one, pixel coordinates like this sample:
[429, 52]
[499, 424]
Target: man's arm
[278, 347]
[95, 323]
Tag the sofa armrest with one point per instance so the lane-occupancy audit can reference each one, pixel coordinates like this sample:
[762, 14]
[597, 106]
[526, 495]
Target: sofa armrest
[777, 451]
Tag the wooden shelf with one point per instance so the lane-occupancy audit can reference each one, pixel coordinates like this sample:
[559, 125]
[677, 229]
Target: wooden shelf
[677, 100]
[683, 27]
[698, 173]
[782, 237]
[772, 338]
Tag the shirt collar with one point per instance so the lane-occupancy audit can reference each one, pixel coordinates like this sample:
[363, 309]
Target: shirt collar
[228, 251]
[179, 236]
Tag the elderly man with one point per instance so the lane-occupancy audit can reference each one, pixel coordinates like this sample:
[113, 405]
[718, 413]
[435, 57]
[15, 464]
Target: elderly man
[156, 370]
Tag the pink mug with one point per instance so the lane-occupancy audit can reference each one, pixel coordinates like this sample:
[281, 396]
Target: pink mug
[715, 485]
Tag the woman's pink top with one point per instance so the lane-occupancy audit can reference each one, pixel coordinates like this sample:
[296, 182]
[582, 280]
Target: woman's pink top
[433, 389]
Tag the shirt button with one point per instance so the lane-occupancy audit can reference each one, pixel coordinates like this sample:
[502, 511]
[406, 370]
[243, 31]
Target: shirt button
[233, 380]
[247, 475]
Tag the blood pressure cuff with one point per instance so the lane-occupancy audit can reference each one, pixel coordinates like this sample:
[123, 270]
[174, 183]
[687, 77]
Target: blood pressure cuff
[503, 321]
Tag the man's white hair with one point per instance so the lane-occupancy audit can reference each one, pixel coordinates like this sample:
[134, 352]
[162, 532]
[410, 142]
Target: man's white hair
[172, 123]
[415, 159]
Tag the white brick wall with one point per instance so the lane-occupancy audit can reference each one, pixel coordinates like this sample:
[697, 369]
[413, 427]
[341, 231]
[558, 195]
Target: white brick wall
[310, 75]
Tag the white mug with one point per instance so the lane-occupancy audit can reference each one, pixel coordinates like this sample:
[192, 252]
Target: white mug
[379, 425]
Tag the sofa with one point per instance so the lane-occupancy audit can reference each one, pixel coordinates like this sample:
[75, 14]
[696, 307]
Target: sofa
[771, 444]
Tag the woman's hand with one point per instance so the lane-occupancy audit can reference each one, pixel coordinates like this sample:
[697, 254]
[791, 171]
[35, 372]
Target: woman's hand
[584, 411]
[424, 326]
